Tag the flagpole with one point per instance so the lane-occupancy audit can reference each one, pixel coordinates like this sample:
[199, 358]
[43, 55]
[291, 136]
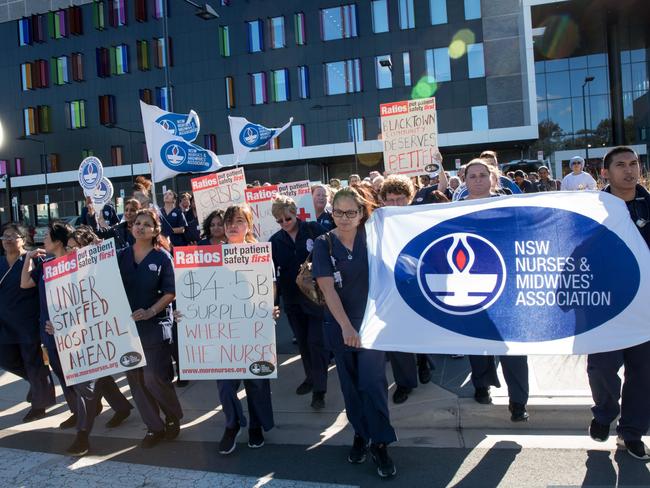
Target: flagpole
[153, 185]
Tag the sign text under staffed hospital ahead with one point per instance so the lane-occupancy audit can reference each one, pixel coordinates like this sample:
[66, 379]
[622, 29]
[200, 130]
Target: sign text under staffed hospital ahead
[409, 132]
[225, 294]
[93, 330]
[523, 274]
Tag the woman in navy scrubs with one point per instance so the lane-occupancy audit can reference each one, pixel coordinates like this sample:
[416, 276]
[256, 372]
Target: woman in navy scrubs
[54, 243]
[480, 180]
[188, 206]
[89, 393]
[20, 341]
[122, 231]
[173, 220]
[362, 372]
[148, 277]
[320, 194]
[290, 247]
[214, 231]
[238, 221]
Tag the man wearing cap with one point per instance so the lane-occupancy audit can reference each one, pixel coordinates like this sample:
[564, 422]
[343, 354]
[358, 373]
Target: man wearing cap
[621, 167]
[578, 179]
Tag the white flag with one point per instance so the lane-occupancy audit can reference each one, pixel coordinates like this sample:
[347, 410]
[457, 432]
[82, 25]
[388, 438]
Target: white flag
[247, 136]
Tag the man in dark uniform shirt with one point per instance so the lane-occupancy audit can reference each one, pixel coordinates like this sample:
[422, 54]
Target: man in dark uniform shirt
[621, 167]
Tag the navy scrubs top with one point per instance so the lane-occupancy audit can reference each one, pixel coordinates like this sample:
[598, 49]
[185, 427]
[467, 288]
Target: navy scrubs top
[193, 231]
[354, 274]
[171, 220]
[19, 308]
[121, 234]
[289, 255]
[326, 220]
[145, 283]
[37, 277]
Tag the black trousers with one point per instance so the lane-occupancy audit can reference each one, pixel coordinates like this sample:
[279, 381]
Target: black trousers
[26, 361]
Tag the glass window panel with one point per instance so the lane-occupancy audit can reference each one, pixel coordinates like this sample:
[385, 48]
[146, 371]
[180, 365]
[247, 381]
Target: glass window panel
[626, 76]
[338, 22]
[628, 104]
[475, 60]
[406, 14]
[298, 135]
[406, 61]
[356, 130]
[559, 111]
[540, 82]
[255, 36]
[557, 65]
[539, 67]
[299, 27]
[594, 60]
[230, 92]
[577, 79]
[224, 40]
[578, 62]
[379, 16]
[542, 111]
[637, 55]
[557, 85]
[343, 77]
[600, 85]
[480, 118]
[303, 82]
[258, 87]
[472, 9]
[280, 85]
[438, 9]
[277, 33]
[437, 64]
[599, 108]
[384, 73]
[639, 77]
[577, 115]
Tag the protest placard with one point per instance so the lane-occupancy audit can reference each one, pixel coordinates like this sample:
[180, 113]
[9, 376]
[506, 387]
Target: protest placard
[93, 330]
[260, 200]
[409, 130]
[225, 294]
[218, 191]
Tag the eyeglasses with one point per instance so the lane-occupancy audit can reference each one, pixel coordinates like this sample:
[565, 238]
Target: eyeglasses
[11, 238]
[350, 214]
[285, 219]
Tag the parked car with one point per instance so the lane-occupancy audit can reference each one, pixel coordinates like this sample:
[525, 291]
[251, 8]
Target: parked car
[41, 231]
[526, 165]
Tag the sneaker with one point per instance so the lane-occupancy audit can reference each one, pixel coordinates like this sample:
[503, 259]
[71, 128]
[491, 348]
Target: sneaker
[385, 466]
[172, 428]
[151, 439]
[227, 443]
[518, 412]
[358, 451]
[304, 388]
[118, 418]
[255, 438]
[637, 449]
[482, 396]
[318, 400]
[401, 394]
[598, 432]
[34, 414]
[80, 445]
[69, 422]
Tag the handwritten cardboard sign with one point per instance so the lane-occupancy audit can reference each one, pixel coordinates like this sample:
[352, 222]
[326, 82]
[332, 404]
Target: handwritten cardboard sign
[260, 199]
[225, 294]
[218, 191]
[93, 330]
[409, 130]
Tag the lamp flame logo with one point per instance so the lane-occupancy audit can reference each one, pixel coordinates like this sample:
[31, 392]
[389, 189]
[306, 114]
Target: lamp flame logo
[250, 135]
[461, 273]
[175, 155]
[169, 126]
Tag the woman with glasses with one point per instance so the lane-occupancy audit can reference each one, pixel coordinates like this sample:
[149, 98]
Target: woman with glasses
[20, 341]
[238, 221]
[89, 393]
[291, 246]
[480, 179]
[148, 276]
[342, 275]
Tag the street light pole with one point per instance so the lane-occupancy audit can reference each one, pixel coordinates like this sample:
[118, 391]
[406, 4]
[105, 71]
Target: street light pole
[588, 80]
[43, 158]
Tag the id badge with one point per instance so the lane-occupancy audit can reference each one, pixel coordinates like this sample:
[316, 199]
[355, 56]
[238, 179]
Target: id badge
[338, 279]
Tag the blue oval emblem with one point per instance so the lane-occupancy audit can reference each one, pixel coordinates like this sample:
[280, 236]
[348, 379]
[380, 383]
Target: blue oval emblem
[91, 172]
[174, 155]
[249, 135]
[467, 274]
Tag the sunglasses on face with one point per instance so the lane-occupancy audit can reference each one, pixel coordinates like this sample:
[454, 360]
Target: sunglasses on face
[285, 219]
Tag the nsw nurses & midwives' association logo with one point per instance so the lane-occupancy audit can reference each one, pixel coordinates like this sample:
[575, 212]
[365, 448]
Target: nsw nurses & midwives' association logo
[174, 154]
[461, 273]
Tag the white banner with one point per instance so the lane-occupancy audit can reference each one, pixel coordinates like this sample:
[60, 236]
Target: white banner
[225, 294]
[218, 191]
[522, 274]
[93, 330]
[247, 136]
[260, 199]
[409, 131]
